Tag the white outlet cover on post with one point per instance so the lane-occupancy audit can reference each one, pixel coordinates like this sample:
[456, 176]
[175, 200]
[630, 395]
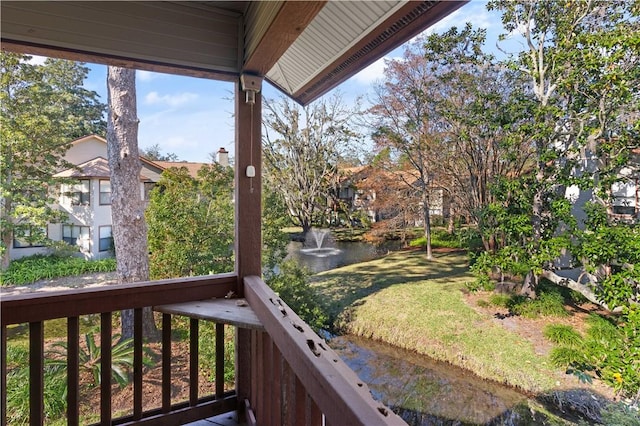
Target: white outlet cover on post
[251, 171]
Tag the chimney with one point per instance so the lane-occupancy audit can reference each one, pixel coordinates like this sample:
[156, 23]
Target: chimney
[223, 157]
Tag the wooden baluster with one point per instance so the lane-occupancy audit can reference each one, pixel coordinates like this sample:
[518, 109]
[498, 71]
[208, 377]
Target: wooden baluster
[73, 371]
[276, 384]
[254, 369]
[36, 373]
[137, 363]
[260, 395]
[267, 389]
[219, 360]
[3, 376]
[166, 363]
[300, 397]
[288, 394]
[105, 368]
[194, 333]
[314, 415]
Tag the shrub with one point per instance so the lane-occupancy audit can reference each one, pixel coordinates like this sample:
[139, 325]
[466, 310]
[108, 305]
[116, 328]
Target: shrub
[482, 282]
[440, 238]
[290, 283]
[561, 334]
[500, 300]
[34, 268]
[548, 303]
[620, 414]
[608, 351]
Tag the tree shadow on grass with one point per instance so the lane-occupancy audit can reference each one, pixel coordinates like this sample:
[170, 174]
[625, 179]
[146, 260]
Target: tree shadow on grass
[348, 286]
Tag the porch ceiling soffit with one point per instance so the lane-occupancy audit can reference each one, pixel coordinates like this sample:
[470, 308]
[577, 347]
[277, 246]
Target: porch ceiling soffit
[305, 48]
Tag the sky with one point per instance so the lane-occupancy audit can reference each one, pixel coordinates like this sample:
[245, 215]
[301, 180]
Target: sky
[193, 117]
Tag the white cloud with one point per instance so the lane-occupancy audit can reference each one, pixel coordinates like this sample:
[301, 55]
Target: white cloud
[153, 98]
[146, 76]
[375, 71]
[370, 74]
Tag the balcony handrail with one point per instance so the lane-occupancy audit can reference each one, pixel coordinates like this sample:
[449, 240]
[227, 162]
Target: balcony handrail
[42, 306]
[36, 308]
[336, 390]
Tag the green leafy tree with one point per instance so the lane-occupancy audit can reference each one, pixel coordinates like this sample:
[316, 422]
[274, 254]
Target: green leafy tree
[191, 225]
[408, 126]
[274, 240]
[483, 103]
[581, 64]
[42, 109]
[302, 148]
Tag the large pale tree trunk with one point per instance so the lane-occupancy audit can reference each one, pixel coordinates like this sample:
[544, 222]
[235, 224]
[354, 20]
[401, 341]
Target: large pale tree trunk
[129, 228]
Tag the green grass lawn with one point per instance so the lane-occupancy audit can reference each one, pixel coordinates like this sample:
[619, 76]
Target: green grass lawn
[407, 301]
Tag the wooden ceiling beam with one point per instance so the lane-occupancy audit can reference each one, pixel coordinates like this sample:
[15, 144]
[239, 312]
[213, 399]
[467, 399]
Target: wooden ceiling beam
[290, 21]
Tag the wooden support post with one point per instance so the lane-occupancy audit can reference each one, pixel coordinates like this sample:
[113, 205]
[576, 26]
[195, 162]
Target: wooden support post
[248, 221]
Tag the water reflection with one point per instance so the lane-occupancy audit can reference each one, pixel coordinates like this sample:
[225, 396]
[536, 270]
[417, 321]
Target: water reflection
[337, 255]
[426, 392]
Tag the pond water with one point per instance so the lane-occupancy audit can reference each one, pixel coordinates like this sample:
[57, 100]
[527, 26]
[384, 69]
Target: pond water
[419, 389]
[336, 254]
[426, 392]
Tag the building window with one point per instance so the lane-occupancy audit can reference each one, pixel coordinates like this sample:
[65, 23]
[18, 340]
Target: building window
[106, 239]
[78, 194]
[76, 235]
[105, 192]
[625, 195]
[32, 236]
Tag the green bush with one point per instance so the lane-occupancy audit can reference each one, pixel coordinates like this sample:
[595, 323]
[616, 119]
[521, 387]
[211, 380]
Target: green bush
[482, 282]
[34, 268]
[292, 286]
[500, 299]
[620, 414]
[548, 303]
[440, 238]
[561, 334]
[609, 351]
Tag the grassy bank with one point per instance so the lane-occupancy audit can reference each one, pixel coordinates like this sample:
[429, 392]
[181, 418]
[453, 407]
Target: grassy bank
[407, 301]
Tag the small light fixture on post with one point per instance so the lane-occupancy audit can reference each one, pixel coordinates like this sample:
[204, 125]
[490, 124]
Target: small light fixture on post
[251, 85]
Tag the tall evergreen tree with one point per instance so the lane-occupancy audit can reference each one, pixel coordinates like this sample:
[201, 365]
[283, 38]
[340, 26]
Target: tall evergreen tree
[127, 206]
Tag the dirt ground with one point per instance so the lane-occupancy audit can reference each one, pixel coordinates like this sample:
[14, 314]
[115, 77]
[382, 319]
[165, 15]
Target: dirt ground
[122, 398]
[531, 329]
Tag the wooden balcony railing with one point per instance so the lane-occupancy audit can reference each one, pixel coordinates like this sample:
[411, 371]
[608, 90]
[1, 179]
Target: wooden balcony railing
[293, 377]
[296, 379]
